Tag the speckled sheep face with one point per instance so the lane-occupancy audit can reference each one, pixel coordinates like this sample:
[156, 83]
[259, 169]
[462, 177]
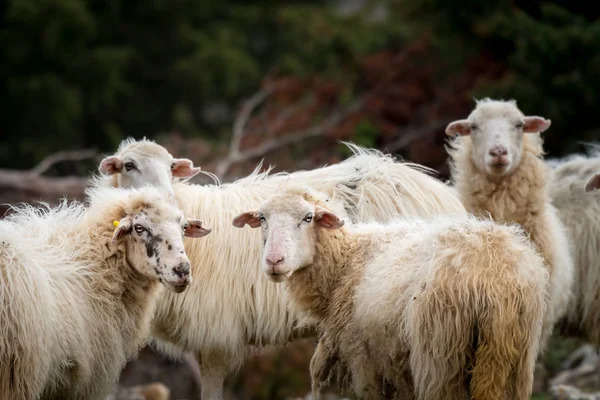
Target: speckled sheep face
[289, 226]
[147, 163]
[496, 129]
[154, 240]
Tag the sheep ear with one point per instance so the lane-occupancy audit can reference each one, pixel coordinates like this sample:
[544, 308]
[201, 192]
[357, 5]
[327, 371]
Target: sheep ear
[461, 127]
[123, 228]
[327, 219]
[593, 183]
[250, 218]
[535, 124]
[111, 165]
[194, 229]
[183, 168]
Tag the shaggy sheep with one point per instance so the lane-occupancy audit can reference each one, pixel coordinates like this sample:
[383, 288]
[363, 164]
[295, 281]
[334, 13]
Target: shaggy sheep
[231, 306]
[77, 294]
[498, 170]
[579, 211]
[459, 300]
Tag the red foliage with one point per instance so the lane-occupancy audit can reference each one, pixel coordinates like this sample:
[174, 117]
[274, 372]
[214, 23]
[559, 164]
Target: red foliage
[399, 92]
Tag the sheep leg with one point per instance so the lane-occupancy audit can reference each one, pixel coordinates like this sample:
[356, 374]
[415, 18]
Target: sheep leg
[364, 379]
[213, 371]
[322, 366]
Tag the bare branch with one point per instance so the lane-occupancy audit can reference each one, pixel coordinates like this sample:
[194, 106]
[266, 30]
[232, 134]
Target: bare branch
[22, 186]
[411, 133]
[287, 113]
[244, 116]
[73, 155]
[273, 144]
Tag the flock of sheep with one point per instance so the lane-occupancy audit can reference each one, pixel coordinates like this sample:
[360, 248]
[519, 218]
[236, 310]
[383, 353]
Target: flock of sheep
[414, 289]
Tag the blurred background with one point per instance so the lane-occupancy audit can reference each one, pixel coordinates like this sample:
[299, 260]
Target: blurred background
[228, 83]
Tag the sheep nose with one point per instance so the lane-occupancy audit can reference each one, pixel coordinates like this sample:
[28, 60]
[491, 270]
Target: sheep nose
[498, 151]
[182, 270]
[273, 260]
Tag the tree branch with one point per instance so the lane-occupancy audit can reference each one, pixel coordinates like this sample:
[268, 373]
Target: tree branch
[72, 155]
[273, 144]
[243, 117]
[18, 186]
[411, 133]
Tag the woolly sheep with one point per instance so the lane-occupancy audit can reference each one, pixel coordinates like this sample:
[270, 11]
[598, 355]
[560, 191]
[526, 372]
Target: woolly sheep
[497, 168]
[578, 204]
[77, 294]
[231, 306]
[451, 297]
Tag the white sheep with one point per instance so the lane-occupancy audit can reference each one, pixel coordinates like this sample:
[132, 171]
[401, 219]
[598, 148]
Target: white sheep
[77, 294]
[578, 206]
[459, 300]
[231, 306]
[498, 171]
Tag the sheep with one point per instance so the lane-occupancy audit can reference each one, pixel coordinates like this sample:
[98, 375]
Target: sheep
[497, 168]
[78, 288]
[138, 163]
[231, 307]
[580, 213]
[459, 300]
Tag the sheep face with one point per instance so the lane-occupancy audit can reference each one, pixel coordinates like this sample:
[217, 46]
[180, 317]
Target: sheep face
[496, 129]
[289, 225]
[154, 244]
[146, 163]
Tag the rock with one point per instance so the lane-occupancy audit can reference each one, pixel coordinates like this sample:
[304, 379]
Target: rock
[152, 391]
[150, 367]
[582, 369]
[565, 392]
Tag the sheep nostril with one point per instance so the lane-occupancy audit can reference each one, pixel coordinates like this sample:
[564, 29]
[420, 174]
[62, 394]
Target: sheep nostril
[182, 270]
[274, 260]
[498, 151]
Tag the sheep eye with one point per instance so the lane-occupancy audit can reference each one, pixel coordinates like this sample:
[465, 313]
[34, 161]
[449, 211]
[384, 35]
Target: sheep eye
[262, 218]
[474, 127]
[519, 125]
[308, 217]
[129, 166]
[138, 228]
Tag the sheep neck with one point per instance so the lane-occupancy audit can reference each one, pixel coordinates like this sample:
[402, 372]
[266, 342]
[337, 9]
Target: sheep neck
[336, 261]
[115, 280]
[521, 197]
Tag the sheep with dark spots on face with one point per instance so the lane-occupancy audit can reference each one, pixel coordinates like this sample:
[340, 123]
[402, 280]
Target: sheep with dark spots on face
[231, 306]
[451, 305]
[498, 172]
[78, 289]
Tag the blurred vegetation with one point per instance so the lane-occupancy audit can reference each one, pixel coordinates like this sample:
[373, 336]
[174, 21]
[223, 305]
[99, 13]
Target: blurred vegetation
[549, 48]
[76, 73]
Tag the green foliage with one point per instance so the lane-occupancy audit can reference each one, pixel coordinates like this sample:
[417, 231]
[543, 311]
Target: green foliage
[77, 73]
[549, 50]
[554, 69]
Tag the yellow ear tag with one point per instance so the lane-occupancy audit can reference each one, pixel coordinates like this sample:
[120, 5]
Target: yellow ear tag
[116, 223]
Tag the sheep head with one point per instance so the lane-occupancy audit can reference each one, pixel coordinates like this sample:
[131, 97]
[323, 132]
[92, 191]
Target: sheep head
[496, 129]
[289, 223]
[152, 232]
[140, 163]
